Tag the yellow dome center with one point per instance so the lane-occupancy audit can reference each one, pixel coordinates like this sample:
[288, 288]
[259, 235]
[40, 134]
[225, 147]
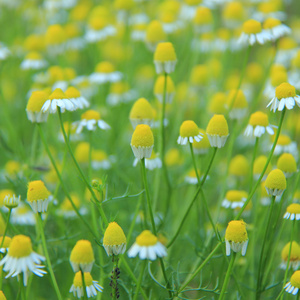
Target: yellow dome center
[141, 109]
[142, 136]
[239, 99]
[252, 27]
[146, 238]
[165, 52]
[155, 32]
[57, 94]
[259, 119]
[37, 191]
[285, 90]
[236, 232]
[295, 252]
[276, 180]
[72, 92]
[295, 279]
[271, 23]
[20, 246]
[293, 208]
[88, 280]
[114, 235]
[105, 67]
[90, 115]
[287, 163]
[217, 126]
[36, 101]
[82, 252]
[189, 129]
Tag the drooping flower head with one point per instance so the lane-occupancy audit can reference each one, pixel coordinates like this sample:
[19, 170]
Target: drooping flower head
[189, 132]
[38, 196]
[287, 164]
[217, 131]
[141, 113]
[34, 107]
[292, 212]
[294, 256]
[114, 240]
[236, 237]
[165, 58]
[258, 125]
[142, 141]
[293, 286]
[275, 183]
[82, 256]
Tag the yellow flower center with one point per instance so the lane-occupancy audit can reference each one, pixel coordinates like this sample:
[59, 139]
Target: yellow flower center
[97, 23]
[82, 252]
[189, 129]
[2, 296]
[285, 90]
[233, 11]
[55, 35]
[37, 191]
[192, 173]
[259, 119]
[105, 67]
[146, 238]
[217, 126]
[160, 85]
[239, 166]
[287, 163]
[155, 32]
[72, 31]
[57, 94]
[165, 52]
[142, 136]
[259, 164]
[6, 243]
[271, 23]
[203, 16]
[141, 109]
[255, 73]
[114, 235]
[90, 115]
[69, 74]
[295, 279]
[287, 43]
[82, 152]
[20, 246]
[124, 4]
[239, 99]
[293, 208]
[72, 92]
[252, 27]
[34, 56]
[284, 140]
[236, 232]
[88, 279]
[217, 103]
[276, 180]
[295, 252]
[4, 193]
[235, 196]
[36, 101]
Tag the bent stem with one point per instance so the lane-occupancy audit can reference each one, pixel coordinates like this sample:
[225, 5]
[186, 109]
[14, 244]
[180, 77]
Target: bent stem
[261, 264]
[103, 216]
[226, 280]
[289, 257]
[44, 244]
[144, 264]
[193, 199]
[265, 167]
[62, 182]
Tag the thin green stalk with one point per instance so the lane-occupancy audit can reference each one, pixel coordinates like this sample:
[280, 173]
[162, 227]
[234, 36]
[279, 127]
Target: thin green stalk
[226, 280]
[148, 197]
[44, 244]
[265, 167]
[194, 162]
[34, 147]
[114, 278]
[79, 169]
[83, 285]
[289, 256]
[136, 294]
[264, 241]
[90, 133]
[62, 182]
[193, 199]
[252, 163]
[165, 277]
[195, 273]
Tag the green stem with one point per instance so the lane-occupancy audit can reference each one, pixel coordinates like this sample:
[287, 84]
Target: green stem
[265, 167]
[114, 278]
[289, 257]
[34, 147]
[252, 162]
[79, 169]
[193, 199]
[194, 162]
[148, 196]
[165, 277]
[144, 264]
[83, 285]
[44, 244]
[226, 280]
[264, 241]
[90, 155]
[62, 182]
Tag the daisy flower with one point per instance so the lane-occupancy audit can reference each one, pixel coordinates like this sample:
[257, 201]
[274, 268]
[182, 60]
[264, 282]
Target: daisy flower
[114, 240]
[293, 286]
[147, 246]
[151, 163]
[258, 125]
[165, 58]
[34, 107]
[294, 257]
[91, 120]
[292, 212]
[23, 215]
[100, 160]
[141, 113]
[276, 28]
[82, 256]
[287, 164]
[234, 199]
[239, 166]
[155, 34]
[275, 183]
[105, 72]
[142, 141]
[236, 237]
[217, 131]
[285, 96]
[92, 286]
[33, 61]
[38, 196]
[189, 132]
[159, 88]
[75, 97]
[99, 29]
[21, 259]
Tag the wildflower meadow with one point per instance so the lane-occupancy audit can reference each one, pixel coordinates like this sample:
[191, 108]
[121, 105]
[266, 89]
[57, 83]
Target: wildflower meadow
[149, 149]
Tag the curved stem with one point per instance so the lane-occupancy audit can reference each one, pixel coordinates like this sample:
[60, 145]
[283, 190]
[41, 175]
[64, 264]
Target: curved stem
[265, 167]
[62, 182]
[194, 162]
[264, 241]
[144, 264]
[44, 244]
[79, 169]
[226, 280]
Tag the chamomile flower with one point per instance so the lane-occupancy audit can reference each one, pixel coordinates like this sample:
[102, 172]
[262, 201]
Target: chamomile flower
[189, 132]
[276, 28]
[258, 125]
[293, 286]
[188, 10]
[92, 286]
[34, 107]
[275, 183]
[120, 93]
[294, 257]
[217, 103]
[105, 72]
[258, 166]
[57, 99]
[114, 240]
[66, 209]
[151, 163]
[234, 199]
[239, 166]
[155, 34]
[202, 147]
[11, 201]
[141, 113]
[33, 61]
[217, 131]
[236, 237]
[285, 145]
[21, 259]
[285, 96]
[165, 58]
[38, 196]
[82, 256]
[233, 14]
[23, 215]
[203, 20]
[147, 246]
[237, 104]
[142, 141]
[292, 212]
[91, 120]
[287, 164]
[159, 88]
[253, 33]
[76, 98]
